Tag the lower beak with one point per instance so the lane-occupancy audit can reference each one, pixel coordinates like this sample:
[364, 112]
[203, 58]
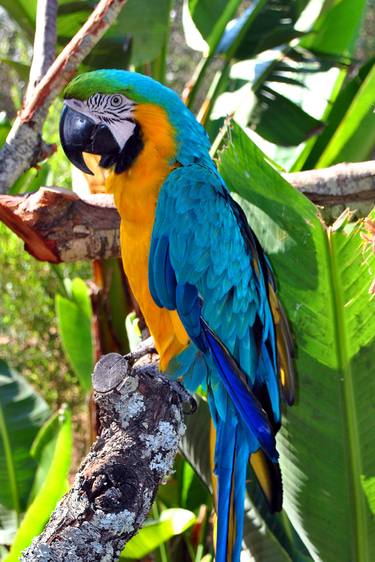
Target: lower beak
[80, 134]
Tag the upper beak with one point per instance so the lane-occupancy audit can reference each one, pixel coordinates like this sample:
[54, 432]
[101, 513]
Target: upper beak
[80, 134]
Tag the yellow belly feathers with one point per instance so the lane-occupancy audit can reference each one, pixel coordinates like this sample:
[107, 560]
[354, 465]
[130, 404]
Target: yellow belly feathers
[136, 191]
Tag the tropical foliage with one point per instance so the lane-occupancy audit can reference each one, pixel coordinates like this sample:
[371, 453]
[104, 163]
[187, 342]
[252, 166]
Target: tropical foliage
[264, 63]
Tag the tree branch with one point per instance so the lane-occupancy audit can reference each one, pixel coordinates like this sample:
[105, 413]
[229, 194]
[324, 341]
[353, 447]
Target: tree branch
[141, 416]
[340, 184]
[24, 147]
[59, 226]
[44, 43]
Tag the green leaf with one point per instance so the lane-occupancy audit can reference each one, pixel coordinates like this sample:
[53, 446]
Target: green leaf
[54, 451]
[116, 301]
[193, 493]
[114, 44]
[272, 26]
[133, 331]
[22, 70]
[355, 146]
[147, 23]
[273, 116]
[5, 126]
[205, 13]
[212, 17]
[279, 120]
[354, 138]
[324, 275]
[22, 412]
[31, 180]
[109, 46]
[44, 447]
[71, 15]
[336, 29]
[74, 323]
[172, 522]
[23, 12]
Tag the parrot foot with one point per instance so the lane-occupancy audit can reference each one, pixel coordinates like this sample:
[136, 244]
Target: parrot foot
[189, 403]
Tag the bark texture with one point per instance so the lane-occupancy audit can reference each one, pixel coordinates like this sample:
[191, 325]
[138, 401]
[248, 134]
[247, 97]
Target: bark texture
[141, 415]
[340, 184]
[44, 43]
[57, 225]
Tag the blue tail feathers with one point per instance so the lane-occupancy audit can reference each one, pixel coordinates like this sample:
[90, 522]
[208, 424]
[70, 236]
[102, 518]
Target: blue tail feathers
[245, 402]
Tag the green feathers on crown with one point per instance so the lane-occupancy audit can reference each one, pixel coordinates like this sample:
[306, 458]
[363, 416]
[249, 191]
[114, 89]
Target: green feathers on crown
[137, 87]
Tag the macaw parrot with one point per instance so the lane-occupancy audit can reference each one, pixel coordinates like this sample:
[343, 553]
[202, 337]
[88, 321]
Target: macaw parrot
[197, 270]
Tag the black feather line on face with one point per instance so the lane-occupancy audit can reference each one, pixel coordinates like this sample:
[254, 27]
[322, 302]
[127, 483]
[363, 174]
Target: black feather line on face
[133, 147]
[124, 159]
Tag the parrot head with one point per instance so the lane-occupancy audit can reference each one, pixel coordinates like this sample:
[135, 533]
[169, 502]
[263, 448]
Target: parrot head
[105, 114]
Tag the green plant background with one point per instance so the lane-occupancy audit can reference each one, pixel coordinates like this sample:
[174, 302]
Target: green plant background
[303, 90]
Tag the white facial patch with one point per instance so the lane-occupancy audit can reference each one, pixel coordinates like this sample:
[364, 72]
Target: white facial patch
[113, 110]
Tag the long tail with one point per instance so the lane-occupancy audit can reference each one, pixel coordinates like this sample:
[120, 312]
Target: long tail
[232, 452]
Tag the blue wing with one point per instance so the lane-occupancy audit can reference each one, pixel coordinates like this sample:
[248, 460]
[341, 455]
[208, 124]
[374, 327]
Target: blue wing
[206, 263]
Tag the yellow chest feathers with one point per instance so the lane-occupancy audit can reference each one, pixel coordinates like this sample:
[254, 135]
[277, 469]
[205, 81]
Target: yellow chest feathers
[136, 190]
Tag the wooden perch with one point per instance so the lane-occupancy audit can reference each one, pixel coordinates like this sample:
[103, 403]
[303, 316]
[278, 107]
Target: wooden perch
[342, 184]
[141, 416]
[59, 226]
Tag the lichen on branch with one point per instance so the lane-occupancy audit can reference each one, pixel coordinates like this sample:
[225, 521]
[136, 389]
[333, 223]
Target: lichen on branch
[141, 419]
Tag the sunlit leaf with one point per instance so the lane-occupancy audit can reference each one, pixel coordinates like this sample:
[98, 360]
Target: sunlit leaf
[133, 331]
[279, 120]
[350, 136]
[212, 17]
[337, 27]
[74, 322]
[272, 115]
[354, 138]
[274, 25]
[172, 522]
[5, 126]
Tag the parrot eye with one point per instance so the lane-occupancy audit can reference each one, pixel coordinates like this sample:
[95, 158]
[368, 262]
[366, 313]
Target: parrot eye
[115, 101]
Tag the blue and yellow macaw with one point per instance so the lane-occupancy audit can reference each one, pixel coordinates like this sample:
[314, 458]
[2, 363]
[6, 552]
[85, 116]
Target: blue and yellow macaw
[197, 270]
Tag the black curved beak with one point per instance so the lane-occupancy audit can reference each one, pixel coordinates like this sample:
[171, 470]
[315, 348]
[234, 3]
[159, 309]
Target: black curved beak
[79, 133]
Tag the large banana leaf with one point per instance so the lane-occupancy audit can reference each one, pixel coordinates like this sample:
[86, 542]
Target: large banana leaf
[324, 275]
[22, 412]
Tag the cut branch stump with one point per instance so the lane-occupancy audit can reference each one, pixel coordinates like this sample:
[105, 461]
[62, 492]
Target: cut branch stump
[141, 419]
